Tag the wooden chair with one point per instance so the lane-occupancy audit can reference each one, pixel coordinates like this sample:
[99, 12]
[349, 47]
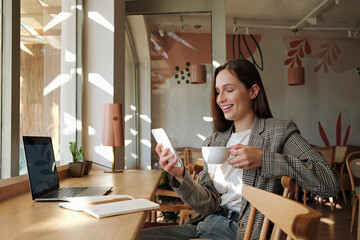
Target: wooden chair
[290, 188]
[294, 219]
[328, 153]
[353, 166]
[194, 170]
[192, 155]
[339, 160]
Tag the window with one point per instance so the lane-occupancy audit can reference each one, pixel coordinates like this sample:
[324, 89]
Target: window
[48, 74]
[131, 106]
[1, 10]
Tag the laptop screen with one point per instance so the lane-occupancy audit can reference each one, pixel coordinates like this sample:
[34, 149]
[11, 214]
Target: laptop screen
[40, 164]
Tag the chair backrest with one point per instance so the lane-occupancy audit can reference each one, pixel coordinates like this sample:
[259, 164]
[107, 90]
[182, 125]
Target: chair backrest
[327, 152]
[290, 188]
[293, 218]
[353, 166]
[194, 170]
[191, 155]
[340, 154]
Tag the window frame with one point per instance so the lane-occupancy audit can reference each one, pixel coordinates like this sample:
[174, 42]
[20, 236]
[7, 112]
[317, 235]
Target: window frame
[10, 85]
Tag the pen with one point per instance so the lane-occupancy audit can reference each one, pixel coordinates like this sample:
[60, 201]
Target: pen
[111, 200]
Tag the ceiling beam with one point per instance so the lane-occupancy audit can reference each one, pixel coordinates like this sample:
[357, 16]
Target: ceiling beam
[312, 14]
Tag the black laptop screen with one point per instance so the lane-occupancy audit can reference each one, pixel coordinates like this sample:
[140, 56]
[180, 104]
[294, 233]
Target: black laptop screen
[41, 164]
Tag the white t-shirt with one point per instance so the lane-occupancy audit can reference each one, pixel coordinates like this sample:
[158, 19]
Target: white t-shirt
[227, 179]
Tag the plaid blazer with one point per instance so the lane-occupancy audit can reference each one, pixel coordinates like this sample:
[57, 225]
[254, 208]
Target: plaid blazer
[285, 153]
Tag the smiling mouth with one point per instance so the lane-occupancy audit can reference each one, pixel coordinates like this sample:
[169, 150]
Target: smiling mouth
[224, 108]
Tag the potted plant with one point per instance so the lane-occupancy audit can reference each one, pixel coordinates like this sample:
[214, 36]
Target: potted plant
[76, 167]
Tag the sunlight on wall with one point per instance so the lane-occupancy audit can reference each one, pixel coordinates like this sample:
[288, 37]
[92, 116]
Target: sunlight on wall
[57, 82]
[56, 20]
[127, 142]
[97, 17]
[91, 131]
[101, 83]
[128, 117]
[78, 125]
[146, 142]
[79, 71]
[215, 64]
[69, 56]
[208, 119]
[105, 152]
[70, 122]
[132, 107]
[146, 118]
[133, 132]
[202, 137]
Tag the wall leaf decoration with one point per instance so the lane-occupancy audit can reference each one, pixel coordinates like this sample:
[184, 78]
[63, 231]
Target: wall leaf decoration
[298, 48]
[338, 133]
[238, 40]
[328, 55]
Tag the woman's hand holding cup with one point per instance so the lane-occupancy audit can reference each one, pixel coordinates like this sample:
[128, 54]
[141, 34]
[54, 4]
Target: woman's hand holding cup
[245, 157]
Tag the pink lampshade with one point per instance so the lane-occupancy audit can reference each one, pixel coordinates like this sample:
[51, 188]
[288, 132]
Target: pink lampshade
[197, 74]
[296, 76]
[112, 125]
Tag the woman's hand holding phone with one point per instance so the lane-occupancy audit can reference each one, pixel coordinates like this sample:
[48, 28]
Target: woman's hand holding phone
[167, 162]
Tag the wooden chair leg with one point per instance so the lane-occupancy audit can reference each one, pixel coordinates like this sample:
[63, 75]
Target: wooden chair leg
[342, 184]
[355, 202]
[331, 200]
[305, 193]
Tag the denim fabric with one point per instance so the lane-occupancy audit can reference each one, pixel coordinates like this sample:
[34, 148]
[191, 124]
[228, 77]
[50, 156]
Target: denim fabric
[213, 227]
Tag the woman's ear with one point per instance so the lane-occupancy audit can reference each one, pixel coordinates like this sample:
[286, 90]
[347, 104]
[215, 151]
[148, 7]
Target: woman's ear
[254, 91]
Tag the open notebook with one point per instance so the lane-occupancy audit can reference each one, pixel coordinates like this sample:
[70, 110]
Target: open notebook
[106, 206]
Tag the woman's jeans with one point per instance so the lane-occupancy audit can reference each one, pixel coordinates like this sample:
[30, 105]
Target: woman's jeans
[213, 227]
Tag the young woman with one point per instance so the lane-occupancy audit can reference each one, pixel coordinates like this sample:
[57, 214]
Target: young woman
[263, 150]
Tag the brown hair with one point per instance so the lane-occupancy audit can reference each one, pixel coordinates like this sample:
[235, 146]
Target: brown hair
[246, 73]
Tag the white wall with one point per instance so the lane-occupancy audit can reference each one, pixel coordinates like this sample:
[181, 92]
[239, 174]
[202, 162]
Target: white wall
[140, 35]
[98, 74]
[181, 109]
[217, 8]
[322, 98]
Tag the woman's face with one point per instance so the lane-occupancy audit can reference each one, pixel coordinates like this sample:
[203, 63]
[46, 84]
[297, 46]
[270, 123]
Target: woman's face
[232, 96]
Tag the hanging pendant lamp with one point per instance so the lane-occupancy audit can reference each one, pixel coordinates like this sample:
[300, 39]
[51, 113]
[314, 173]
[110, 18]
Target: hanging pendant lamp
[296, 76]
[197, 74]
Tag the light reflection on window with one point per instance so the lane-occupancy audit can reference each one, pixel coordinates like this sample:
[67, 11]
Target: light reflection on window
[48, 73]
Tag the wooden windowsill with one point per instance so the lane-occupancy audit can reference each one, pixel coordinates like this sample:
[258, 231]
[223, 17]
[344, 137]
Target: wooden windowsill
[13, 186]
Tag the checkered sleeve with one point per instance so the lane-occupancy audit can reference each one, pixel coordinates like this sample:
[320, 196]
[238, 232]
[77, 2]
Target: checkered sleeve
[202, 197]
[296, 158]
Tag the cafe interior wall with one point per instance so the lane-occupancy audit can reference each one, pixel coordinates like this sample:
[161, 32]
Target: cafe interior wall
[183, 109]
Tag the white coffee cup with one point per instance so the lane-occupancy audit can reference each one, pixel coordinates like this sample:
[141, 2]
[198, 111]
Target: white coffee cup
[215, 155]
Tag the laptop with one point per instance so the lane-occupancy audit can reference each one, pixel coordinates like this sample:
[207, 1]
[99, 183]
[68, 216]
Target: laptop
[43, 177]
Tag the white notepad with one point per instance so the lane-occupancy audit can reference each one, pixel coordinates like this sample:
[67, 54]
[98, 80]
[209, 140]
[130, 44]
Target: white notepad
[109, 209]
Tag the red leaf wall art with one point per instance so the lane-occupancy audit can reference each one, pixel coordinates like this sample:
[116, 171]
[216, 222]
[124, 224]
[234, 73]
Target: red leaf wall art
[328, 55]
[338, 133]
[297, 51]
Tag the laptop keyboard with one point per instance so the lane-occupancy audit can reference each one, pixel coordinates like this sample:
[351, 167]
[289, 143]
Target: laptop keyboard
[68, 192]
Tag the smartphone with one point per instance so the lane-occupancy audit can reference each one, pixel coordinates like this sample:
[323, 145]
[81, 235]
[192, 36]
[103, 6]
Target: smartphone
[161, 137]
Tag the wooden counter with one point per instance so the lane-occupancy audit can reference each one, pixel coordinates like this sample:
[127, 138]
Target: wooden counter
[22, 218]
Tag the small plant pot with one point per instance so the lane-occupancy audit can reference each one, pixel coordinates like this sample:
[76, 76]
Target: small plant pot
[87, 167]
[76, 169]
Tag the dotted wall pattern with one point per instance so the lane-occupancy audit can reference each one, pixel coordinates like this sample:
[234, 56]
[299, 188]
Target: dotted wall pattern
[183, 76]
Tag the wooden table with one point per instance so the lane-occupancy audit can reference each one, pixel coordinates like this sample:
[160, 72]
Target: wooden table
[22, 218]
